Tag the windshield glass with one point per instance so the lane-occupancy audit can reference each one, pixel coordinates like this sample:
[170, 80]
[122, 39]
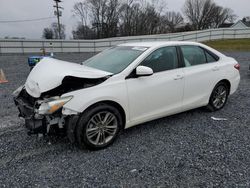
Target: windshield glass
[115, 59]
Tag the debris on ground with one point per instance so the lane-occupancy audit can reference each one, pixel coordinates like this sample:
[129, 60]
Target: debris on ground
[134, 170]
[219, 119]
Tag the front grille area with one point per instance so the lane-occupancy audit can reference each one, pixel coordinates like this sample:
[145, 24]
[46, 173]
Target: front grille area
[25, 104]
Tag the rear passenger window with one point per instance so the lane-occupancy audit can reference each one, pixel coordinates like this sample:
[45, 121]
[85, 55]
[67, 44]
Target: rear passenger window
[211, 58]
[193, 55]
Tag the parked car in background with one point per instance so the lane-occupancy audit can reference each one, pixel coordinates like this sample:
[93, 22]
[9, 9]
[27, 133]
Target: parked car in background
[123, 86]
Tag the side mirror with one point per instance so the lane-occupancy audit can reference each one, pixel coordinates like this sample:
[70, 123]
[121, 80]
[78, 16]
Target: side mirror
[143, 71]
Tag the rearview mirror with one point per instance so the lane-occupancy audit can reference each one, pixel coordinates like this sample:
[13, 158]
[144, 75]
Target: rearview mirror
[143, 71]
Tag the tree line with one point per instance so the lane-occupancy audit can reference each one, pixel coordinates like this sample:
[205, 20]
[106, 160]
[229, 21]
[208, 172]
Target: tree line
[111, 18]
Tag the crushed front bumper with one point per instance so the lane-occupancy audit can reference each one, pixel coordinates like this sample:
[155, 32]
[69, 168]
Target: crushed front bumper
[26, 105]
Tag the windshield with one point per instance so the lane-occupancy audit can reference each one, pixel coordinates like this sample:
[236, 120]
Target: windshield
[115, 59]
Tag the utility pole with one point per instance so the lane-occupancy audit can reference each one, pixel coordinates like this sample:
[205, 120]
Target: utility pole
[58, 13]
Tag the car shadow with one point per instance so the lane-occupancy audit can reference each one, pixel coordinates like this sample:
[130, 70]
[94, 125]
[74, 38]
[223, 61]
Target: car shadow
[166, 124]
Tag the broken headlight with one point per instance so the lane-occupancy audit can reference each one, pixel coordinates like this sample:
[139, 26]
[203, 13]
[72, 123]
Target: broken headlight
[53, 104]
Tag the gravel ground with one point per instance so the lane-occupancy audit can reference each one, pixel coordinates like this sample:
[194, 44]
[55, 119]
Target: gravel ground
[185, 150]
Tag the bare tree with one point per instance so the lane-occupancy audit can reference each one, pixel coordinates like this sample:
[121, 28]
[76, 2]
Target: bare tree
[231, 16]
[83, 32]
[160, 6]
[110, 18]
[172, 20]
[54, 27]
[48, 33]
[129, 17]
[198, 12]
[105, 17]
[52, 32]
[204, 14]
[81, 11]
[139, 18]
[223, 15]
[147, 21]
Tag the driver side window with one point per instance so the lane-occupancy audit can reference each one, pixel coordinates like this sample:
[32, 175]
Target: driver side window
[162, 59]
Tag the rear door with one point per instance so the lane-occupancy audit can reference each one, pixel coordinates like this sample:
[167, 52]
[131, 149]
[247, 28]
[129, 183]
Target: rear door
[201, 72]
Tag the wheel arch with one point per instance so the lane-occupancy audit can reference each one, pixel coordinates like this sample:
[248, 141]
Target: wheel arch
[209, 106]
[114, 104]
[227, 82]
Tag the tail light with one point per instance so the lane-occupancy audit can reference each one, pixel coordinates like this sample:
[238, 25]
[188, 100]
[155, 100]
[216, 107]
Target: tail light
[237, 66]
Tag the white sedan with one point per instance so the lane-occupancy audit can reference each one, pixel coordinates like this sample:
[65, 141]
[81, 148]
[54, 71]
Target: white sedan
[123, 86]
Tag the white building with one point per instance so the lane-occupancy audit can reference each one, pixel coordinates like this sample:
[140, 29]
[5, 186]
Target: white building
[242, 24]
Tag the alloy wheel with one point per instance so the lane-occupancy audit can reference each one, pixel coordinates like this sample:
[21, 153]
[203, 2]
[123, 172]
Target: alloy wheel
[219, 96]
[101, 128]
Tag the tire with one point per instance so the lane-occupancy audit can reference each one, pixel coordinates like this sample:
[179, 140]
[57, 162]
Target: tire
[218, 97]
[98, 127]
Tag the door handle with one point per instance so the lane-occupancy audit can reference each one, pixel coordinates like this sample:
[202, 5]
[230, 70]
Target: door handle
[178, 77]
[216, 68]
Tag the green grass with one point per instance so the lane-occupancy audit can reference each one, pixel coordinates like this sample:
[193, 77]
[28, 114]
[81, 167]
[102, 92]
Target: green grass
[230, 44]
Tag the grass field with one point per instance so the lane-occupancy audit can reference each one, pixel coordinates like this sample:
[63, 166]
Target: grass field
[230, 44]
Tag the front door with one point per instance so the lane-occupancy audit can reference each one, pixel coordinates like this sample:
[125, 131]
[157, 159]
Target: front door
[160, 94]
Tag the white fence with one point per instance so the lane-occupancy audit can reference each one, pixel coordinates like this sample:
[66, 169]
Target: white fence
[35, 46]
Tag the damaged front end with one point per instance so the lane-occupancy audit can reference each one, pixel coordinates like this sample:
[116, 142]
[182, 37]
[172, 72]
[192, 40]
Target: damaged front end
[40, 114]
[43, 114]
[40, 100]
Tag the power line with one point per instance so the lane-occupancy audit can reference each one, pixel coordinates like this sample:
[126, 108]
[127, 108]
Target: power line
[28, 20]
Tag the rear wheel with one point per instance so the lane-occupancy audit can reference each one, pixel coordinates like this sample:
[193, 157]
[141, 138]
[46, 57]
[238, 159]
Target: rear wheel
[98, 127]
[218, 97]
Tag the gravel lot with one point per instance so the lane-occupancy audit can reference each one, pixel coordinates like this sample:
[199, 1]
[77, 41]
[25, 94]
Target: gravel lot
[185, 150]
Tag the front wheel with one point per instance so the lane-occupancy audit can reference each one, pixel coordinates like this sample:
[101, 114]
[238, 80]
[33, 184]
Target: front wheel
[98, 127]
[218, 97]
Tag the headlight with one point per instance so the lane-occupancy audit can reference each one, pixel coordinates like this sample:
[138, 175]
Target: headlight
[53, 105]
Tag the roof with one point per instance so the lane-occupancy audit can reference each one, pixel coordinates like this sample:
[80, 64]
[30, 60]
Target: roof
[245, 23]
[226, 25]
[159, 43]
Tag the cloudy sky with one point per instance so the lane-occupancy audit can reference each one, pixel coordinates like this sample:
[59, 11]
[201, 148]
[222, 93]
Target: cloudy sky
[31, 9]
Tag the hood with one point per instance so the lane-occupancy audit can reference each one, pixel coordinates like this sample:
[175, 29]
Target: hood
[49, 73]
